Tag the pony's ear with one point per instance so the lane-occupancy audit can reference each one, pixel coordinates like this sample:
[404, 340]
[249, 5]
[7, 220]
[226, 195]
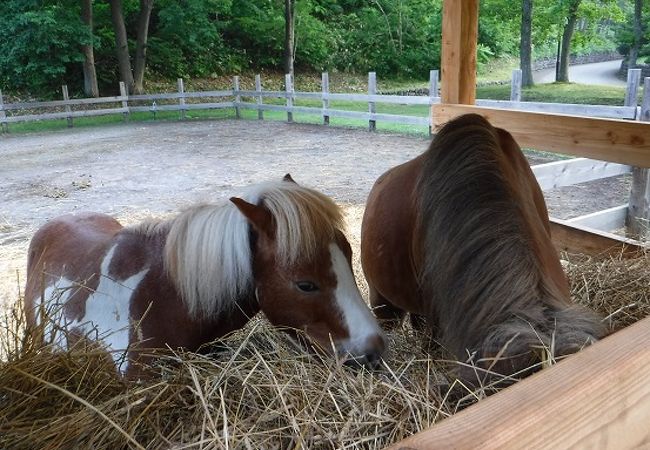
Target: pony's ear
[258, 217]
[288, 178]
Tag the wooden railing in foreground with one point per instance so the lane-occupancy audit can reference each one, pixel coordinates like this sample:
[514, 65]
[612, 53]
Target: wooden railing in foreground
[611, 379]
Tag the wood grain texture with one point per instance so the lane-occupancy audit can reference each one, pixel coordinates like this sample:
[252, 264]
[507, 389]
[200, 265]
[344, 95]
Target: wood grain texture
[598, 398]
[575, 238]
[620, 141]
[458, 53]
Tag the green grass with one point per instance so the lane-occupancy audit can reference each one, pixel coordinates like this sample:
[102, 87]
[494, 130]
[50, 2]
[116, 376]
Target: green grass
[559, 93]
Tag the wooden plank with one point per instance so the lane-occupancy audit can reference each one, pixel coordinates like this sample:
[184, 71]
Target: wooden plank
[58, 103]
[609, 219]
[515, 86]
[125, 100]
[325, 88]
[372, 90]
[597, 398]
[235, 84]
[607, 139]
[607, 112]
[574, 238]
[638, 219]
[181, 97]
[187, 106]
[288, 84]
[632, 89]
[573, 171]
[3, 115]
[458, 58]
[65, 115]
[433, 93]
[258, 98]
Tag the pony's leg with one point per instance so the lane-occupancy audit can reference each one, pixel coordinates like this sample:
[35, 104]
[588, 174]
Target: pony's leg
[385, 311]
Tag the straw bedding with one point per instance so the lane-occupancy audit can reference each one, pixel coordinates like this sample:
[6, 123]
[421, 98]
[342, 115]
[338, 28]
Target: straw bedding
[258, 388]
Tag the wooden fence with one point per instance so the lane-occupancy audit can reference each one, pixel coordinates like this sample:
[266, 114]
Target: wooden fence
[235, 98]
[552, 175]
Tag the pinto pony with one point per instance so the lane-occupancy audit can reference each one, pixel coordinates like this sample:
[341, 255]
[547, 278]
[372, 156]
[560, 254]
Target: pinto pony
[183, 282]
[461, 236]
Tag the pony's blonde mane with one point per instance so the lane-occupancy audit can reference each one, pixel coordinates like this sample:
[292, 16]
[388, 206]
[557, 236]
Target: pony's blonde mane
[208, 252]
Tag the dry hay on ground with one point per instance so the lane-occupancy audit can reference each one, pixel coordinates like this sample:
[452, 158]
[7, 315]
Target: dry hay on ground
[257, 389]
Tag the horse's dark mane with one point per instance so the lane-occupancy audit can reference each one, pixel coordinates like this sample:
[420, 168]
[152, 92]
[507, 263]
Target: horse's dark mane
[480, 275]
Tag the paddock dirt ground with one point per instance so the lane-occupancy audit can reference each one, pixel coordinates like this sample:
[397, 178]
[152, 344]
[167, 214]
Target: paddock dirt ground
[137, 170]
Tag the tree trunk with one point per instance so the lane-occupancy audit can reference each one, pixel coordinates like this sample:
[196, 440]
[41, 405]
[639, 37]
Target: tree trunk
[567, 35]
[525, 45]
[90, 76]
[141, 45]
[289, 9]
[121, 45]
[638, 34]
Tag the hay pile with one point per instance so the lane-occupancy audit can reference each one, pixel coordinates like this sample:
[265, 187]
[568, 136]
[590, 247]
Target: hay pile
[258, 388]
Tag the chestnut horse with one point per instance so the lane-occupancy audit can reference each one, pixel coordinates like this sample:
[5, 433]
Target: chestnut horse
[461, 236]
[183, 282]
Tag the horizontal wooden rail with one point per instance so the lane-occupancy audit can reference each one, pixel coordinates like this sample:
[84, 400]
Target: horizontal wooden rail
[576, 238]
[609, 112]
[573, 171]
[608, 220]
[618, 141]
[598, 398]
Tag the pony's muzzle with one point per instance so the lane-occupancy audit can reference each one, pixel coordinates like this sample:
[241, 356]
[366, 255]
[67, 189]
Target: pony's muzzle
[369, 355]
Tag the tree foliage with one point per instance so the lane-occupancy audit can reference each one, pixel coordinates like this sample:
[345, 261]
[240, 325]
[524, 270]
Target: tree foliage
[202, 38]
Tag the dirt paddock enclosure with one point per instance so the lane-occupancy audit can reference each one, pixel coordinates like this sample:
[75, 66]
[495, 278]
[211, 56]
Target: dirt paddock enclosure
[136, 170]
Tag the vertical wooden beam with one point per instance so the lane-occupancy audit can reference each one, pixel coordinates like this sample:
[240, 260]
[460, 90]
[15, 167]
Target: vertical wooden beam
[66, 97]
[288, 86]
[372, 90]
[235, 86]
[632, 89]
[125, 100]
[3, 116]
[433, 93]
[325, 87]
[515, 86]
[258, 88]
[181, 97]
[458, 62]
[638, 211]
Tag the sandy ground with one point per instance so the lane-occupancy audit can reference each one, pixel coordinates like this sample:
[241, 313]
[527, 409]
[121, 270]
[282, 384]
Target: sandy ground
[137, 170]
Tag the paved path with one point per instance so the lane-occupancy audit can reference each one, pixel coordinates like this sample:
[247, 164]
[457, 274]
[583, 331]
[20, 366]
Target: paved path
[603, 73]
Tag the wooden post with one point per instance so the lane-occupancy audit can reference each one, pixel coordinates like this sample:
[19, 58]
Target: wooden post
[288, 85]
[181, 98]
[632, 90]
[433, 93]
[125, 100]
[258, 100]
[638, 211]
[515, 86]
[372, 90]
[68, 110]
[235, 85]
[458, 61]
[325, 87]
[597, 398]
[3, 116]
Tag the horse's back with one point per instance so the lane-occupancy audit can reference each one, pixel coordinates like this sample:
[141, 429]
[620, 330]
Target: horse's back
[70, 247]
[387, 237]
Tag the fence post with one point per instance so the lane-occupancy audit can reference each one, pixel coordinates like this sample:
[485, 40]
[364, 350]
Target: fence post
[181, 97]
[632, 90]
[515, 86]
[258, 88]
[68, 110]
[3, 116]
[433, 93]
[125, 101]
[288, 84]
[235, 87]
[372, 90]
[325, 85]
[638, 211]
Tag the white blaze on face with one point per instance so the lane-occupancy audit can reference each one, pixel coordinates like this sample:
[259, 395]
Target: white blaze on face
[107, 316]
[359, 321]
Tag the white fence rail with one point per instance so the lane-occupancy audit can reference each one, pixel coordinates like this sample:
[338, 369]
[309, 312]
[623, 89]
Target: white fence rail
[550, 176]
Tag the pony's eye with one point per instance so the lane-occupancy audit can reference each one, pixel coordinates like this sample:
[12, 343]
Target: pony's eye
[306, 286]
